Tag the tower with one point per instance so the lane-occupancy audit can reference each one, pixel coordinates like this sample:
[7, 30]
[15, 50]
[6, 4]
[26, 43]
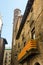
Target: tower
[0, 25]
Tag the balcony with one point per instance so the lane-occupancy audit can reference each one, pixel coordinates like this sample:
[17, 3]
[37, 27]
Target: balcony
[29, 49]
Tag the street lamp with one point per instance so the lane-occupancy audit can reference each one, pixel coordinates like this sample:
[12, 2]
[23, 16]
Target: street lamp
[0, 25]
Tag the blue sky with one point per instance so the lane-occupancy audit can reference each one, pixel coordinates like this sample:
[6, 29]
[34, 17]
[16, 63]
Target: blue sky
[7, 10]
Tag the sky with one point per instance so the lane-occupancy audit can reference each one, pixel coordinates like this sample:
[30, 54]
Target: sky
[7, 8]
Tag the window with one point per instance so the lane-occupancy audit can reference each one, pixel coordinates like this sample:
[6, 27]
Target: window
[18, 45]
[9, 56]
[10, 53]
[9, 60]
[33, 33]
[28, 21]
[23, 37]
[31, 23]
[20, 50]
[24, 43]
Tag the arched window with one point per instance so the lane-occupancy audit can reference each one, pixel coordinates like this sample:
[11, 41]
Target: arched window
[37, 63]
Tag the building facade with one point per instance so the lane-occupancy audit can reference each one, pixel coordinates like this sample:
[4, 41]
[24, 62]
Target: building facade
[2, 48]
[29, 38]
[16, 24]
[7, 57]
